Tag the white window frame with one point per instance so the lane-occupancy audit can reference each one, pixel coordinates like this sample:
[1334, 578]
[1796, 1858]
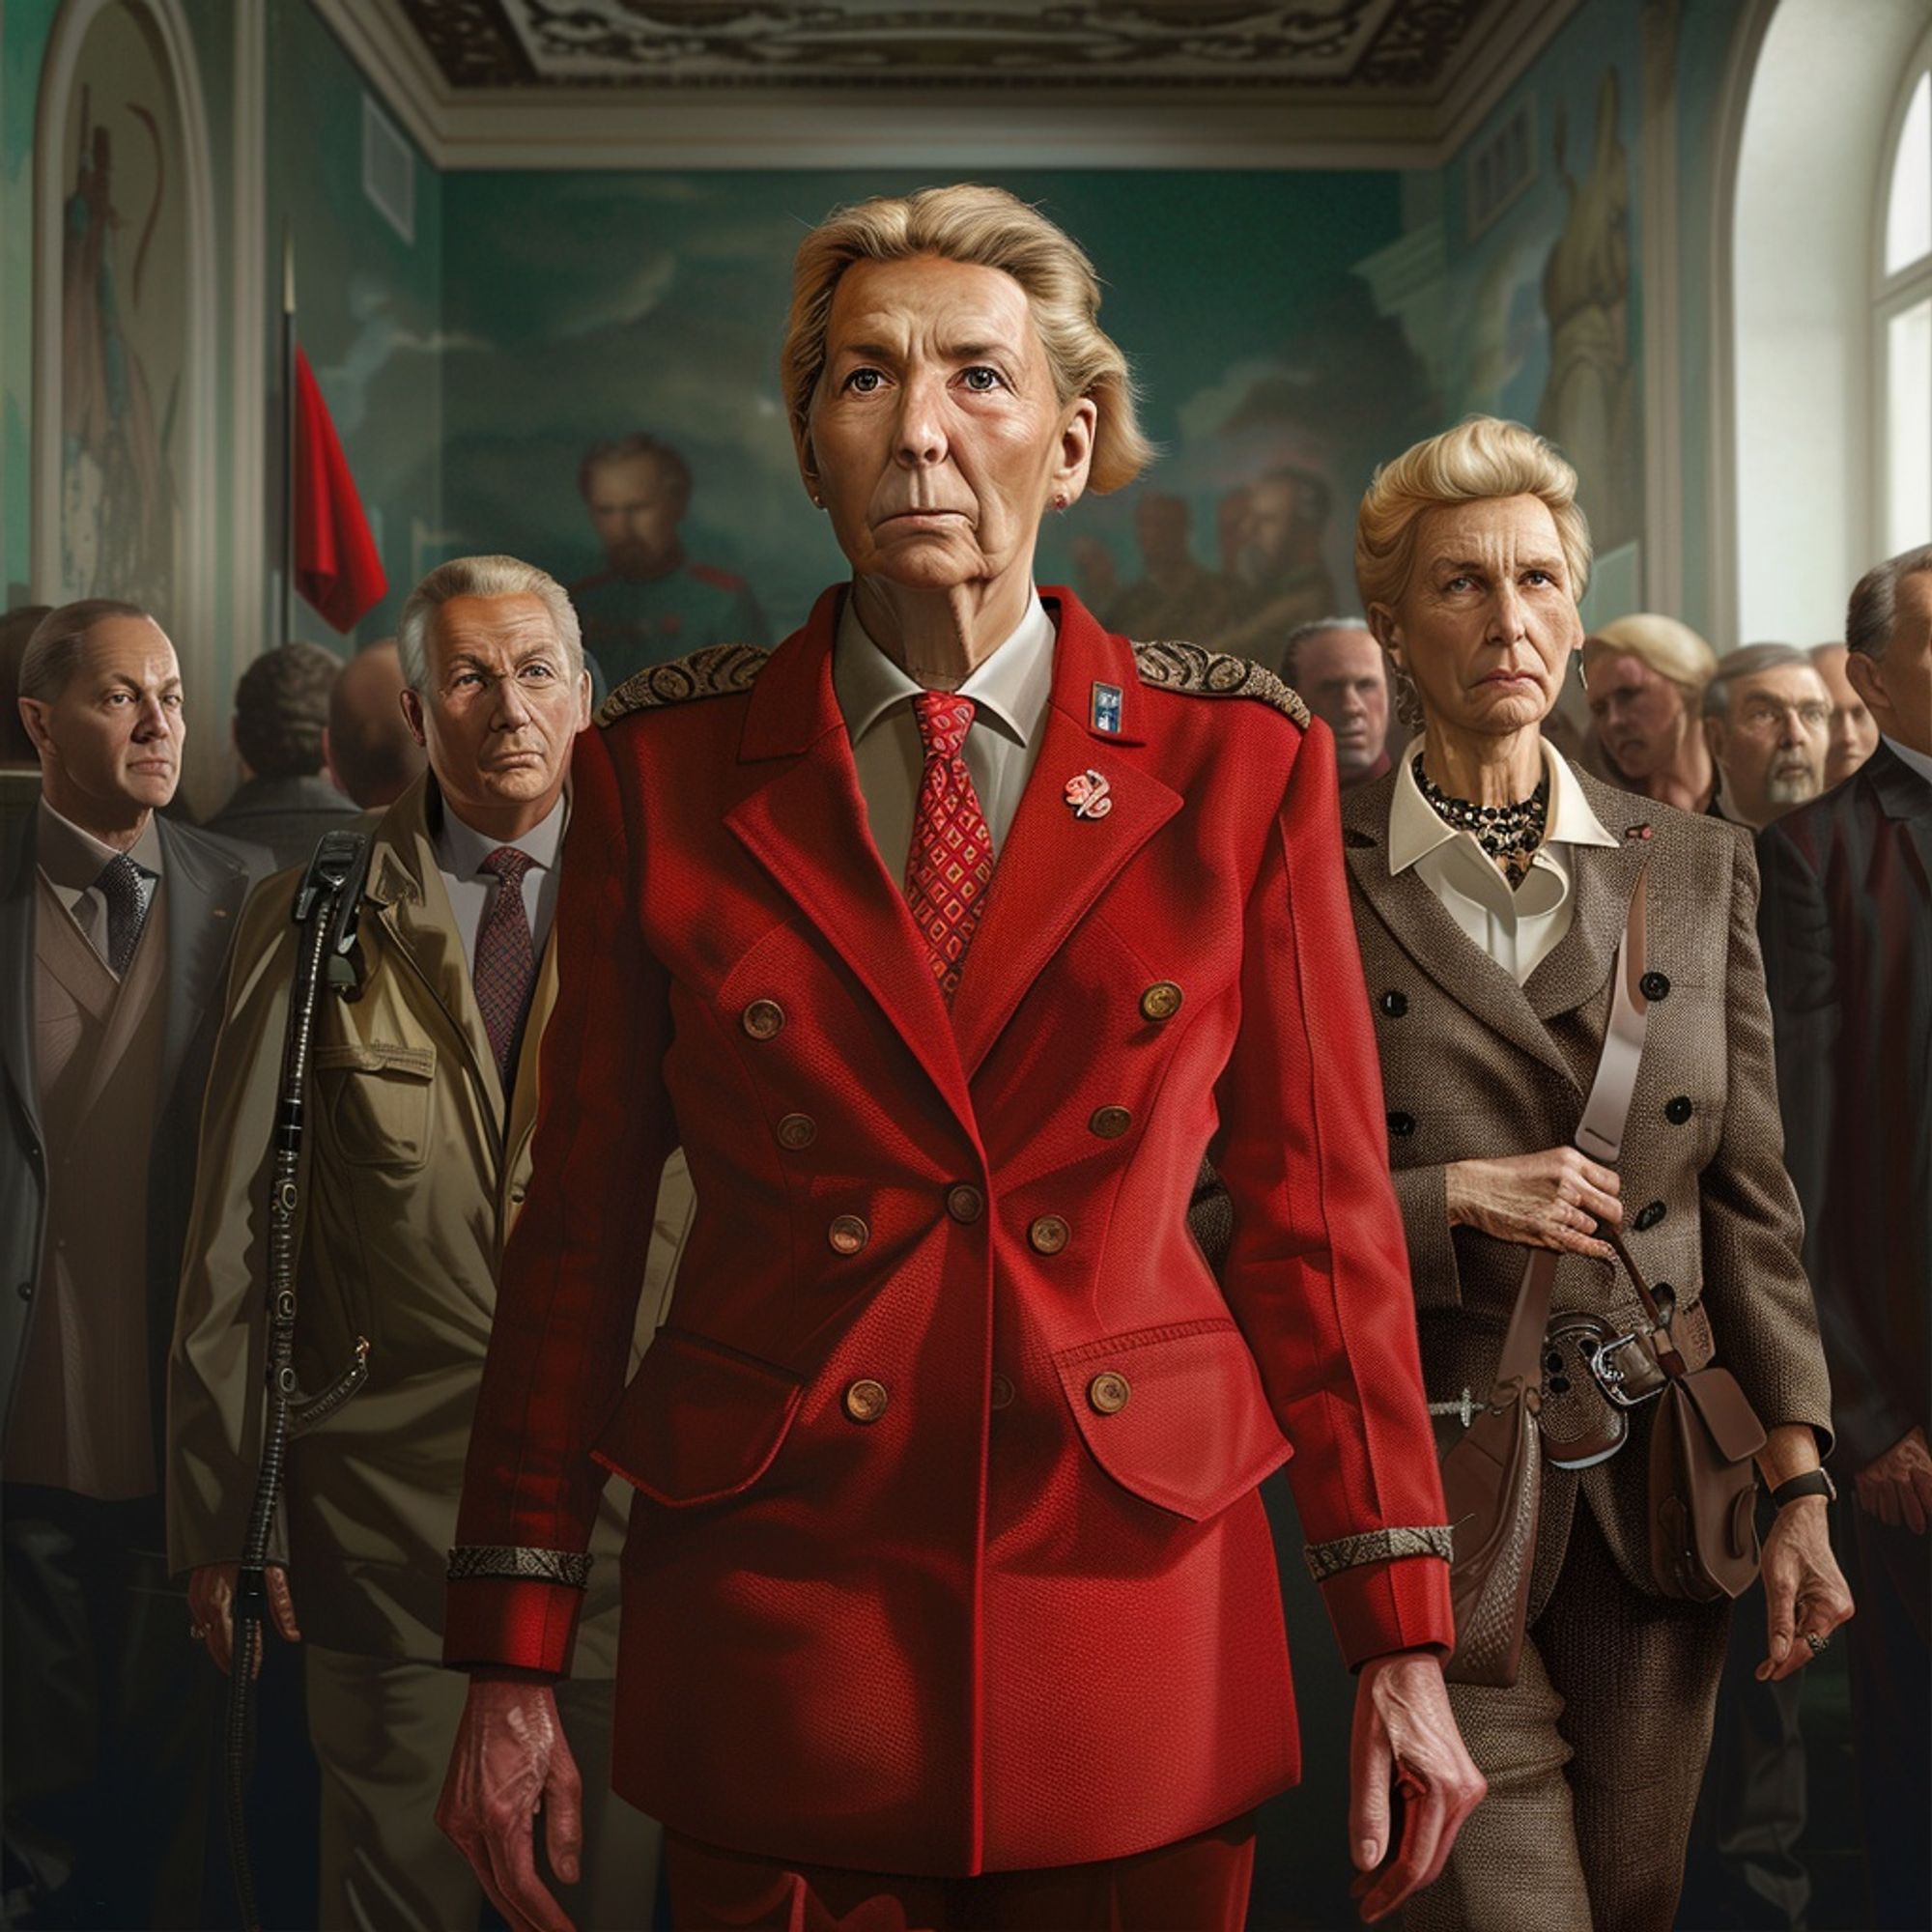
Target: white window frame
[1894, 293]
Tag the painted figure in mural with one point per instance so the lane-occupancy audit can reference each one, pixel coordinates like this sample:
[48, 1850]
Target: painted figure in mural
[417, 1161]
[1177, 597]
[1847, 924]
[1644, 676]
[1283, 562]
[1853, 734]
[650, 603]
[1767, 720]
[950, 1599]
[115, 923]
[117, 496]
[1491, 883]
[1339, 669]
[1590, 400]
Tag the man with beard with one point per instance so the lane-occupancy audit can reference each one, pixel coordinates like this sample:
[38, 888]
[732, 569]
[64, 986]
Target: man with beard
[1767, 720]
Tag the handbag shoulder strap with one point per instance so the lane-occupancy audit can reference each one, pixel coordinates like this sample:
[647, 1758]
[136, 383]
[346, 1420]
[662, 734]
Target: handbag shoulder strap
[1599, 1134]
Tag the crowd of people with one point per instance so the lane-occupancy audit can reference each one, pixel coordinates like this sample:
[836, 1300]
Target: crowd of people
[888, 991]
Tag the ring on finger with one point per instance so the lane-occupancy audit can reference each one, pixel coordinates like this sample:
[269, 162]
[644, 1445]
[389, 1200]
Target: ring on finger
[1819, 1644]
[197, 1633]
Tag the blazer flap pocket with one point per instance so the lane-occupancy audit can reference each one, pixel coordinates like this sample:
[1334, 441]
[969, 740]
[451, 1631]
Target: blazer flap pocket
[1177, 1414]
[1727, 1413]
[414, 1062]
[698, 1421]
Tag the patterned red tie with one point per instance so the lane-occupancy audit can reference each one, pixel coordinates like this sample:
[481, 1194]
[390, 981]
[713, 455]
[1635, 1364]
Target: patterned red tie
[951, 864]
[506, 959]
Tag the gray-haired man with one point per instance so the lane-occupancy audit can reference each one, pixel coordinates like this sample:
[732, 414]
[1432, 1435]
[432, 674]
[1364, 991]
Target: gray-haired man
[1768, 721]
[419, 1152]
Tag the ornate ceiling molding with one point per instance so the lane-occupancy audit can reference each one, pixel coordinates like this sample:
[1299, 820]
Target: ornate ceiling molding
[846, 83]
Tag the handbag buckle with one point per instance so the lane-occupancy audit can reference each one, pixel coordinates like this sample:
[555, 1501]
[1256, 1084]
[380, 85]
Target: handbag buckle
[1629, 1382]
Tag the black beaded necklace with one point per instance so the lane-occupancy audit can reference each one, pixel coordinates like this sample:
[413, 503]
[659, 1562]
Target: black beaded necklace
[1510, 834]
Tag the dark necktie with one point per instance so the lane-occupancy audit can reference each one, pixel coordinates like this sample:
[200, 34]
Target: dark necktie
[951, 864]
[506, 960]
[120, 885]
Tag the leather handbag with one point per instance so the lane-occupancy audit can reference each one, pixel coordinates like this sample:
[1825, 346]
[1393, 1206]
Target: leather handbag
[1703, 1481]
[1492, 1474]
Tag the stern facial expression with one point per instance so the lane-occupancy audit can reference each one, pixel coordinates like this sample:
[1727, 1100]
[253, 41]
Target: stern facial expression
[936, 438]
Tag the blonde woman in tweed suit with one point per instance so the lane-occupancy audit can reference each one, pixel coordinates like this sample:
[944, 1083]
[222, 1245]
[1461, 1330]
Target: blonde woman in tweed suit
[1488, 943]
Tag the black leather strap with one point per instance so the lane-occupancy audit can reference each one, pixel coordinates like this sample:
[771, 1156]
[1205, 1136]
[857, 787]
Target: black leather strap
[1812, 1483]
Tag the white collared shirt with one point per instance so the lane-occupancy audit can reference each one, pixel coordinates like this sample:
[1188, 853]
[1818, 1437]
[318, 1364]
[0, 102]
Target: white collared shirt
[1918, 762]
[72, 859]
[1009, 691]
[460, 852]
[1518, 929]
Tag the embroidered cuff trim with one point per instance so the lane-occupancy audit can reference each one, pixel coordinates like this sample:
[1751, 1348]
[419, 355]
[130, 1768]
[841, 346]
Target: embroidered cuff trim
[569, 1567]
[1374, 1545]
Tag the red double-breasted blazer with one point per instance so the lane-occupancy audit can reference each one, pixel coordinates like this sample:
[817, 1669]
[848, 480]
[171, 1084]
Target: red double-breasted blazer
[947, 1554]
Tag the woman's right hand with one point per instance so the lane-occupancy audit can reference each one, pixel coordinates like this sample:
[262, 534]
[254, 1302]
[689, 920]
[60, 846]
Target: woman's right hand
[1548, 1200]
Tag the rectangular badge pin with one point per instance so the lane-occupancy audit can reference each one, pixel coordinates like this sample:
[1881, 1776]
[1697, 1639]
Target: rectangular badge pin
[1107, 707]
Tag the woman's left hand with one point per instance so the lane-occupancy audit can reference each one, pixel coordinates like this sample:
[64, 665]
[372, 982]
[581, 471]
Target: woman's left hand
[1804, 1591]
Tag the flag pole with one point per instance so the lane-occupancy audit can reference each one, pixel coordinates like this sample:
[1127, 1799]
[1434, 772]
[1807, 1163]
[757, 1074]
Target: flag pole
[289, 406]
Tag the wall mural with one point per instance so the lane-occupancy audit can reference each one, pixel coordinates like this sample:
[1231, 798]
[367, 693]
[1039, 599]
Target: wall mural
[122, 320]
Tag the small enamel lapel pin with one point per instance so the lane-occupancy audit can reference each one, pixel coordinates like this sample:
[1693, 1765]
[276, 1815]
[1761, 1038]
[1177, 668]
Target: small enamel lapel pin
[1089, 795]
[1107, 708]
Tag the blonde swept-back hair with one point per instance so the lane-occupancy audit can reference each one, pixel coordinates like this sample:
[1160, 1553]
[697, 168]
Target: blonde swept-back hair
[1673, 650]
[1482, 457]
[990, 229]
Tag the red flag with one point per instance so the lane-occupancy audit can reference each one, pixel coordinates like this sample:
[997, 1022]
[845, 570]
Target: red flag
[338, 568]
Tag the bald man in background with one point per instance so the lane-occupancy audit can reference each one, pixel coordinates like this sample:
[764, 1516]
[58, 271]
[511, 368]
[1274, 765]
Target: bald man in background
[369, 747]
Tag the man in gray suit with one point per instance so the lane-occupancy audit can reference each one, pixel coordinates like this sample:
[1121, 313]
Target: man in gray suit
[115, 927]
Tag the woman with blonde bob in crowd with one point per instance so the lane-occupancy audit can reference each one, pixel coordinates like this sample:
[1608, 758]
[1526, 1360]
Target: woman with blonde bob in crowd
[1644, 676]
[1490, 883]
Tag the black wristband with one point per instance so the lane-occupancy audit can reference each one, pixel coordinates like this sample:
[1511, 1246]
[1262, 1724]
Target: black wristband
[1812, 1483]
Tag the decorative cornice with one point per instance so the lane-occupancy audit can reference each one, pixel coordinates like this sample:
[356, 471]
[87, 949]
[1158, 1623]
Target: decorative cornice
[1433, 73]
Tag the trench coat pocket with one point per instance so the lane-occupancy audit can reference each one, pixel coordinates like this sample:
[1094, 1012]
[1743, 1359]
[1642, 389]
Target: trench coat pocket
[699, 1422]
[1174, 1415]
[378, 1098]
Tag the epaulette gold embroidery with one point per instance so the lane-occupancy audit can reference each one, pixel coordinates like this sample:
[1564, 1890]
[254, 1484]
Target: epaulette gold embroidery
[716, 671]
[1176, 667]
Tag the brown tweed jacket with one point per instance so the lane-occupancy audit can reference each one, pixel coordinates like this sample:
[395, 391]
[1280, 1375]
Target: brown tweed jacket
[1475, 1067]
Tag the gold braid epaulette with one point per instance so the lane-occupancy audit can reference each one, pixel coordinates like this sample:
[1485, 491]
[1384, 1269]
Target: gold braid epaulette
[1216, 674]
[716, 671]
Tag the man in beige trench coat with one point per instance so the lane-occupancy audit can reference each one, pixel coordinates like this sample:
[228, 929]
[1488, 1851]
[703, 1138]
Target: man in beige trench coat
[423, 1105]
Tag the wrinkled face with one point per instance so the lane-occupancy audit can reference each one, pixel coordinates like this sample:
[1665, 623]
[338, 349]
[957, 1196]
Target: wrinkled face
[1341, 675]
[936, 440]
[1770, 745]
[110, 744]
[634, 507]
[1854, 733]
[1488, 620]
[502, 707]
[1639, 713]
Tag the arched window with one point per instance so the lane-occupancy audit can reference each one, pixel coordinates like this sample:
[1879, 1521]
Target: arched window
[1902, 316]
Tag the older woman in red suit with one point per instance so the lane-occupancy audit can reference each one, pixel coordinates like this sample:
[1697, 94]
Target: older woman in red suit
[945, 940]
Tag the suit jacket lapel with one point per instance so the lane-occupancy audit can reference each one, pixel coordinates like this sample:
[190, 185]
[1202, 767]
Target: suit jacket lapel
[1054, 866]
[204, 895]
[16, 966]
[1417, 922]
[1603, 880]
[524, 1100]
[1907, 799]
[805, 824]
[415, 914]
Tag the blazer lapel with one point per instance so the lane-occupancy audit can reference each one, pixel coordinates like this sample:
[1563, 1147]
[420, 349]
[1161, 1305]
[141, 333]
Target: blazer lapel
[415, 914]
[1907, 799]
[1054, 864]
[1418, 924]
[205, 892]
[1603, 879]
[16, 966]
[806, 826]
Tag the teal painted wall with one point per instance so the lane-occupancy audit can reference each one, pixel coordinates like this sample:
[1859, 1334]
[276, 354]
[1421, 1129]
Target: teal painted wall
[583, 306]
